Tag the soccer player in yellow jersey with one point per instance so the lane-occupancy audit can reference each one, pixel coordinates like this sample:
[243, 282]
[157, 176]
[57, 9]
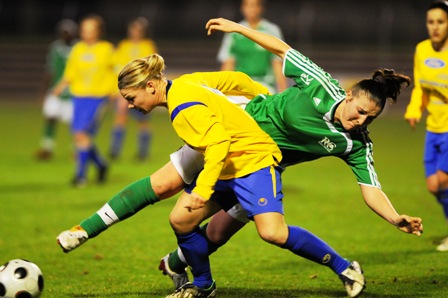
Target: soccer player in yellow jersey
[89, 74]
[239, 159]
[431, 93]
[136, 45]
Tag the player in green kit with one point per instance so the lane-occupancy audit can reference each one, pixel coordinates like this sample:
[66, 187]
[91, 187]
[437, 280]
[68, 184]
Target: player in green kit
[313, 119]
[242, 54]
[334, 123]
[56, 108]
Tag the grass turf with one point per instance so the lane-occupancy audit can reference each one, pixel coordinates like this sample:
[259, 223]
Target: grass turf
[37, 202]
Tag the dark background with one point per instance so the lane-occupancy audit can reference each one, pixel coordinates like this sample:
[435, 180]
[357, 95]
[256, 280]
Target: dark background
[342, 36]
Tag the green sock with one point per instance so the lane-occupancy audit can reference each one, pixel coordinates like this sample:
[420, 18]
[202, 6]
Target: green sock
[124, 204]
[49, 129]
[176, 263]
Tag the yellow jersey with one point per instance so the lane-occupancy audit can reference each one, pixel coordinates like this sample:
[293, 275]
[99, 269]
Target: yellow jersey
[232, 142]
[89, 70]
[430, 87]
[128, 50]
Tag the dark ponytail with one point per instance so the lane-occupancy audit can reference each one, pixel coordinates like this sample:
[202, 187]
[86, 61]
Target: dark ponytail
[439, 4]
[384, 84]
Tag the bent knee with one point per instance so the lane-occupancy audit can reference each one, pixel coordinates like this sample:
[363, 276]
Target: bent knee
[276, 237]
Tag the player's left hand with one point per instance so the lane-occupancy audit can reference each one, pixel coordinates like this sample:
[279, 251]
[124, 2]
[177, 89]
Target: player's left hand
[409, 224]
[194, 201]
[221, 24]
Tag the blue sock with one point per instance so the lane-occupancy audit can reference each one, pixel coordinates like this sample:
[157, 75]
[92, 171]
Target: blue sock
[96, 157]
[144, 138]
[194, 246]
[82, 156]
[118, 134]
[305, 244]
[443, 200]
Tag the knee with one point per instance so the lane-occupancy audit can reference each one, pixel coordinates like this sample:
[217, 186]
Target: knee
[179, 224]
[82, 140]
[442, 178]
[176, 223]
[277, 236]
[217, 238]
[433, 187]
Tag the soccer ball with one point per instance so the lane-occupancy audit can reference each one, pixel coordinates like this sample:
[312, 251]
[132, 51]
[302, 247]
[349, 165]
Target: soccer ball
[20, 279]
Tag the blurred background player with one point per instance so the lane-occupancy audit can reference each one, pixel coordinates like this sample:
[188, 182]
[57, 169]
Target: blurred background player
[56, 108]
[241, 54]
[136, 45]
[89, 73]
[431, 93]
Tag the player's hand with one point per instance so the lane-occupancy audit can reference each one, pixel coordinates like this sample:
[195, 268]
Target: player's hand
[409, 224]
[412, 122]
[194, 201]
[220, 24]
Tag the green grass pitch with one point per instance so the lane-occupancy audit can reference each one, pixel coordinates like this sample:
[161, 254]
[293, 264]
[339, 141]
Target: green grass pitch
[37, 202]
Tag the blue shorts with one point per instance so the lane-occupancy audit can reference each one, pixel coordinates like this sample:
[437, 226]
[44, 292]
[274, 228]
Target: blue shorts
[436, 153]
[86, 113]
[259, 192]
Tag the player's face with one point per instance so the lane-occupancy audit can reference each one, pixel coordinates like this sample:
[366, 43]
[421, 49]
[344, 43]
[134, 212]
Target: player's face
[252, 10]
[90, 31]
[142, 100]
[437, 25]
[358, 111]
[136, 32]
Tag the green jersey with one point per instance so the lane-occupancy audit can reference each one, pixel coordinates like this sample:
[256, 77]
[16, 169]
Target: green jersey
[301, 120]
[249, 57]
[56, 61]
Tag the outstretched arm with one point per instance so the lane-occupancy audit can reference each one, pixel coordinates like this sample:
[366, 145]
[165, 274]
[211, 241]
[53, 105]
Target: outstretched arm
[267, 41]
[377, 200]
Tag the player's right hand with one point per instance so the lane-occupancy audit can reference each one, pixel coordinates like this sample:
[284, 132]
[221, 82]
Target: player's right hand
[412, 122]
[409, 224]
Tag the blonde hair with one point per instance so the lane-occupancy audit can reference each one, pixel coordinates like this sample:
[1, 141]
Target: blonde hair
[139, 71]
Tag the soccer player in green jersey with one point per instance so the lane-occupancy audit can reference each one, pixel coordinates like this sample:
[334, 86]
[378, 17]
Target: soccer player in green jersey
[242, 54]
[56, 108]
[341, 119]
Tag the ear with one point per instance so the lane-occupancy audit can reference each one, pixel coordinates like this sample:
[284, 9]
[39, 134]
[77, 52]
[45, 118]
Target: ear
[348, 96]
[150, 87]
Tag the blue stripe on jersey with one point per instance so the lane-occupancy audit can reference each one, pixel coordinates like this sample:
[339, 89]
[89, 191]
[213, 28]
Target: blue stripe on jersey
[302, 62]
[183, 106]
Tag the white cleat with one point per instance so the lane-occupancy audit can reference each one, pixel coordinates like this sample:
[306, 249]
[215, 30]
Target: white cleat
[71, 239]
[353, 279]
[443, 246]
[179, 279]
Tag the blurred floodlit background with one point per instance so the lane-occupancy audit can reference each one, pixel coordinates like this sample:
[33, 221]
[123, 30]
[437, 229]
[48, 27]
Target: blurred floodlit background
[348, 38]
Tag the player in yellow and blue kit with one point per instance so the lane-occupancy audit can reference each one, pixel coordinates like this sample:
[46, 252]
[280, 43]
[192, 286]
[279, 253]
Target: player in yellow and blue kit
[431, 93]
[89, 74]
[238, 155]
[136, 45]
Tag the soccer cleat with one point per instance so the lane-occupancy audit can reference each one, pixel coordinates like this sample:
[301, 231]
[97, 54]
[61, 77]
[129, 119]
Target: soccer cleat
[44, 154]
[443, 246]
[79, 182]
[71, 239]
[353, 280]
[189, 290]
[179, 279]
